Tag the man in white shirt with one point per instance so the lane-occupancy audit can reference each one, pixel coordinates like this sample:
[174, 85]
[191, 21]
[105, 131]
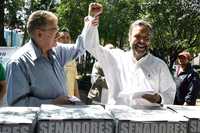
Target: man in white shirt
[135, 77]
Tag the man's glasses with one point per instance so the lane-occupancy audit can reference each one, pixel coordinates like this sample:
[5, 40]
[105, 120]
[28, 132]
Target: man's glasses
[50, 29]
[57, 35]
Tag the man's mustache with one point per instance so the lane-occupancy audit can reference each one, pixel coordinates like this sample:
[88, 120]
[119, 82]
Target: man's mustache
[139, 44]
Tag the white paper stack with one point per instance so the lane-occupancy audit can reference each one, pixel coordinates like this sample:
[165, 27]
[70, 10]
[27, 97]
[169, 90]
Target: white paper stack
[18, 119]
[74, 119]
[147, 120]
[190, 112]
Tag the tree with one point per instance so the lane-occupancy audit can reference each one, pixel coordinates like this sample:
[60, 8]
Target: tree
[114, 22]
[176, 27]
[116, 19]
[13, 16]
[71, 15]
[176, 22]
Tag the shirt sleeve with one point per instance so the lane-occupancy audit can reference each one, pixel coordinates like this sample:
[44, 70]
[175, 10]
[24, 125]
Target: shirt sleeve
[167, 85]
[68, 52]
[91, 43]
[91, 40]
[104, 56]
[19, 92]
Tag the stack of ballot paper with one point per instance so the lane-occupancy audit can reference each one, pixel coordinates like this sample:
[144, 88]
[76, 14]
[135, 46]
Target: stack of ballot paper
[158, 120]
[18, 119]
[74, 119]
[190, 112]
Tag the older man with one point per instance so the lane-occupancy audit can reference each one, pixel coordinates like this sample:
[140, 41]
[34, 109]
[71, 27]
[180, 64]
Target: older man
[135, 77]
[35, 73]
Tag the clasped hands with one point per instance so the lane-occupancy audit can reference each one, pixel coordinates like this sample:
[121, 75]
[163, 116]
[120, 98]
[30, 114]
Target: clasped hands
[153, 98]
[66, 100]
[95, 10]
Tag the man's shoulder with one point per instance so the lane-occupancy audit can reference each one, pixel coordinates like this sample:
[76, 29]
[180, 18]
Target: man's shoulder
[119, 53]
[21, 53]
[109, 56]
[156, 59]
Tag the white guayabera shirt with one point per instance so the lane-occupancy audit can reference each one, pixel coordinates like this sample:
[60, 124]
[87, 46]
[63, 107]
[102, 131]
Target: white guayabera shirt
[128, 79]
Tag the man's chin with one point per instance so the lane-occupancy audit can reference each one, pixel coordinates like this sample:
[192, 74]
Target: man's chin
[140, 53]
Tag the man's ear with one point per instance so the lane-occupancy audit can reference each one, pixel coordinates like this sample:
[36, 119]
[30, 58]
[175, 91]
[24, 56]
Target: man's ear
[38, 33]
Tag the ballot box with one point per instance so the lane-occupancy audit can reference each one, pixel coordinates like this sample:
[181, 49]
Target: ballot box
[18, 119]
[190, 112]
[74, 119]
[147, 120]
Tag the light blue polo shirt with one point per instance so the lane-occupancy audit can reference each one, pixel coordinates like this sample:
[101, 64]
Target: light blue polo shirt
[33, 79]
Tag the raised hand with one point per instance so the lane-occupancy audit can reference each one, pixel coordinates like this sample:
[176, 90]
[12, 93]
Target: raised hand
[95, 9]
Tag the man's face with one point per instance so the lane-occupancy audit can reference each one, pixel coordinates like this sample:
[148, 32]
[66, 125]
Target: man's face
[183, 60]
[139, 39]
[64, 38]
[67, 37]
[49, 35]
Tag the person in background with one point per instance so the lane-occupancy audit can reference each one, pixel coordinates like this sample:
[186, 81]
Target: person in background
[135, 77]
[35, 73]
[187, 81]
[2, 84]
[70, 68]
[99, 90]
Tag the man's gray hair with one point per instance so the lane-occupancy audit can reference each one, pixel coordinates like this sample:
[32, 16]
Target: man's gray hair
[39, 19]
[140, 23]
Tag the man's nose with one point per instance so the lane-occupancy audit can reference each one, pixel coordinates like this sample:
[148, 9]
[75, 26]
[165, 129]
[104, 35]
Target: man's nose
[141, 40]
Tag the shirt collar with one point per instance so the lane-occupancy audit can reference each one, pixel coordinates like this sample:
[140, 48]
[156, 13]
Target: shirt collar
[140, 60]
[34, 51]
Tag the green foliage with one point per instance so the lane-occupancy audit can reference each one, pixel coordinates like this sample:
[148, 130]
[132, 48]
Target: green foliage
[71, 15]
[115, 21]
[175, 24]
[41, 5]
[12, 7]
